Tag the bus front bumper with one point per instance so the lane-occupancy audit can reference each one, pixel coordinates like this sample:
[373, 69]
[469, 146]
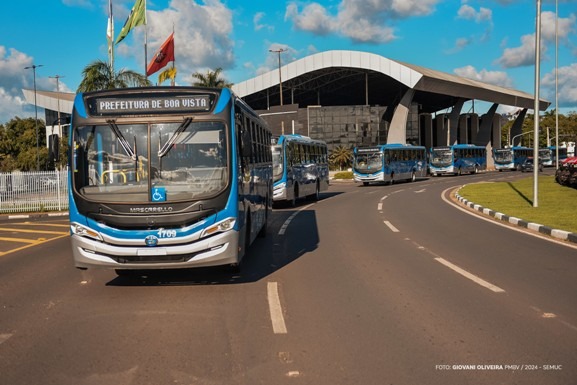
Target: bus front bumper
[220, 249]
[379, 177]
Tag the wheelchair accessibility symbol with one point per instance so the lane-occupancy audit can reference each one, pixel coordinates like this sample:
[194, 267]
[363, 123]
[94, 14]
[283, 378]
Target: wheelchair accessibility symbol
[159, 194]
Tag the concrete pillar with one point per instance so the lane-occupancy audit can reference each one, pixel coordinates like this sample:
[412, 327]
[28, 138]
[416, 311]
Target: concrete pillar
[517, 128]
[441, 130]
[484, 135]
[426, 127]
[397, 130]
[454, 121]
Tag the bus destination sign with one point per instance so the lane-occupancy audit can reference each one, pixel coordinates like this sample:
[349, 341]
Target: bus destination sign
[368, 149]
[156, 104]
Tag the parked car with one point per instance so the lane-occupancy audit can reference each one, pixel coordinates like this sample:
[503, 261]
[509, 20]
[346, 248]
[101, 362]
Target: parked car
[528, 164]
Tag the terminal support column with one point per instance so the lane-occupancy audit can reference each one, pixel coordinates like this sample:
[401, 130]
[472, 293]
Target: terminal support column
[398, 127]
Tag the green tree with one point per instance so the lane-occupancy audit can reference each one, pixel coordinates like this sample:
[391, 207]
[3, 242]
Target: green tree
[210, 79]
[99, 75]
[340, 157]
[18, 149]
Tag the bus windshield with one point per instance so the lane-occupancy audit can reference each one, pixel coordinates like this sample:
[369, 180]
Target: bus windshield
[369, 161]
[277, 163]
[442, 157]
[127, 162]
[503, 156]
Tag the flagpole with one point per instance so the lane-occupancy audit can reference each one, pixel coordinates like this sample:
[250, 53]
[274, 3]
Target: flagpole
[174, 59]
[111, 37]
[145, 41]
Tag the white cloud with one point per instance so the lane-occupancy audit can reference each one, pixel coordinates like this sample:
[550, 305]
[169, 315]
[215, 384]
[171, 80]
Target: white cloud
[567, 85]
[202, 36]
[497, 78]
[565, 26]
[361, 21]
[524, 54]
[256, 20]
[13, 77]
[469, 13]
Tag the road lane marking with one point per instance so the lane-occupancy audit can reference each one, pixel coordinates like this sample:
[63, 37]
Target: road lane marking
[4, 337]
[380, 206]
[288, 221]
[276, 317]
[470, 276]
[19, 240]
[390, 226]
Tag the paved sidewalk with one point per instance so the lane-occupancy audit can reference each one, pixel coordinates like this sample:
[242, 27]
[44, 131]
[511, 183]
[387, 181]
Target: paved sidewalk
[7, 217]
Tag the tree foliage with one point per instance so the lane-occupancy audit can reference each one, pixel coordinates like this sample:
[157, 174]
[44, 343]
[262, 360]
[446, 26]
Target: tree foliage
[210, 79]
[18, 145]
[341, 157]
[99, 75]
[547, 122]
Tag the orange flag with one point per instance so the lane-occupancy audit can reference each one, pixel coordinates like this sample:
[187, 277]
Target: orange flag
[162, 57]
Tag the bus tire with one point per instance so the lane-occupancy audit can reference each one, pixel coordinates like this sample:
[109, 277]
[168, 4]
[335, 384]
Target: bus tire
[475, 170]
[317, 194]
[413, 177]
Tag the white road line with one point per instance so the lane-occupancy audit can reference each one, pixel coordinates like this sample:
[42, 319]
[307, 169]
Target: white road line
[288, 221]
[380, 206]
[472, 277]
[278, 324]
[390, 226]
[4, 337]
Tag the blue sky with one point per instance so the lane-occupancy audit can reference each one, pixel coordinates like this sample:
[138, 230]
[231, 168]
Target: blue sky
[489, 40]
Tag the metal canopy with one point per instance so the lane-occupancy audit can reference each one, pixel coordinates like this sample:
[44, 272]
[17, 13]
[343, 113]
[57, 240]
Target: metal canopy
[341, 78]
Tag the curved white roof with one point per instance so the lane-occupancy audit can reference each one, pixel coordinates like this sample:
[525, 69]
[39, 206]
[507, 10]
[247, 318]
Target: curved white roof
[328, 59]
[423, 80]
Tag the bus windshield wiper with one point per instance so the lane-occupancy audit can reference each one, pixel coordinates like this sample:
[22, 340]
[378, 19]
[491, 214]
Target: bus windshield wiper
[167, 146]
[123, 142]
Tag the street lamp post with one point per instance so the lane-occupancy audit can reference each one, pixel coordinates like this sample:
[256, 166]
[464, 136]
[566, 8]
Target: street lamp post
[57, 77]
[279, 51]
[34, 66]
[536, 105]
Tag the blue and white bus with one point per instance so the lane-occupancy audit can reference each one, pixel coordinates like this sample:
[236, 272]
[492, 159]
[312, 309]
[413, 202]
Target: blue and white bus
[166, 178]
[511, 158]
[389, 163]
[551, 160]
[457, 159]
[300, 168]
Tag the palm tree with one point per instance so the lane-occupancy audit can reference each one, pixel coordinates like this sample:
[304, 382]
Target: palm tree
[99, 75]
[211, 79]
[341, 156]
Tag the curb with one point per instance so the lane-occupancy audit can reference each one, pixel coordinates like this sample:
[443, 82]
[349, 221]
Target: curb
[559, 234]
[33, 216]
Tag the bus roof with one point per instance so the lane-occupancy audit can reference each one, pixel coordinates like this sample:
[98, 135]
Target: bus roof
[298, 138]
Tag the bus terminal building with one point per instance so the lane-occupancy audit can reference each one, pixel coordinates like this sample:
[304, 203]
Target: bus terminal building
[352, 98]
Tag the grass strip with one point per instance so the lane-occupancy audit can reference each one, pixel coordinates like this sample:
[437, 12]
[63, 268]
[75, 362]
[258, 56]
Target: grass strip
[557, 205]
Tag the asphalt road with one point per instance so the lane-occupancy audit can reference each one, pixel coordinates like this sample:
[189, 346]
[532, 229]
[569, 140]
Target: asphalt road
[370, 285]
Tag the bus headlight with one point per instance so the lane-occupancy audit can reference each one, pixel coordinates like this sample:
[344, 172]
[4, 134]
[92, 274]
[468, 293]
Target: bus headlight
[84, 231]
[219, 227]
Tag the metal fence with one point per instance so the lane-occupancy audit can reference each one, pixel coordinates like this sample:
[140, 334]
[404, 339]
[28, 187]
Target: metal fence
[33, 191]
